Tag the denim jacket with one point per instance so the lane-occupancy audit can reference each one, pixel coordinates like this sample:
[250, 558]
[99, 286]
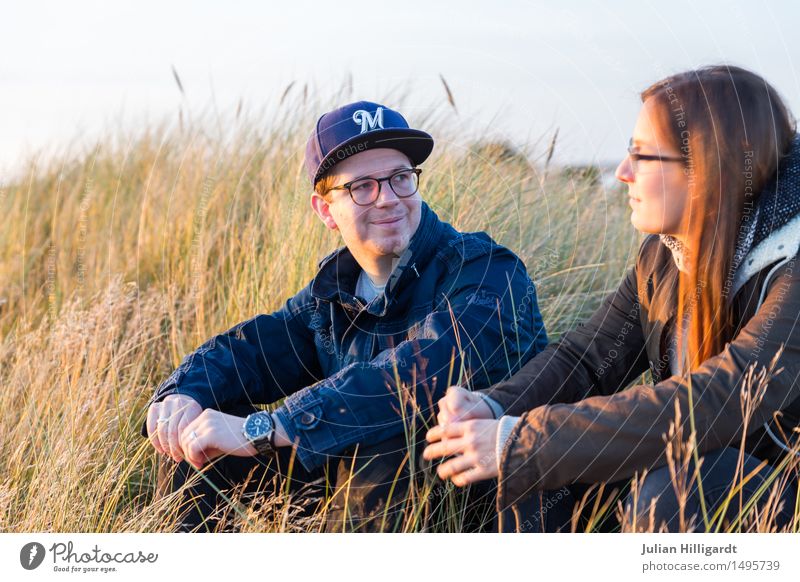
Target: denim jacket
[458, 307]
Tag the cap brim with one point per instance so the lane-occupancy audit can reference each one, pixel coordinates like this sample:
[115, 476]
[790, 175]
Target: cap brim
[415, 144]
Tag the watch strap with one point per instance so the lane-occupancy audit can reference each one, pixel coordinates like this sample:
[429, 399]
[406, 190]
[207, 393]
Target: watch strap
[266, 444]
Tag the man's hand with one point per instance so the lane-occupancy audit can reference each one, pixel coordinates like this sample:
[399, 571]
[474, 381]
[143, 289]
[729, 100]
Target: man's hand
[473, 444]
[460, 404]
[166, 420]
[213, 434]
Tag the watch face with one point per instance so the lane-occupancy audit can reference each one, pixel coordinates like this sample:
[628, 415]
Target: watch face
[258, 425]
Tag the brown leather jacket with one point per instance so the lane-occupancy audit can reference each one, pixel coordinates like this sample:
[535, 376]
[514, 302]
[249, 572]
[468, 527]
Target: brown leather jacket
[582, 422]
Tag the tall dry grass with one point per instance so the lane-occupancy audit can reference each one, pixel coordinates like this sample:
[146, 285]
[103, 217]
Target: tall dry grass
[118, 259]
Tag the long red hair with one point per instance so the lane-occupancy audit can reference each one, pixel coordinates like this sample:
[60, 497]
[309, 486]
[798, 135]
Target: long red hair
[731, 128]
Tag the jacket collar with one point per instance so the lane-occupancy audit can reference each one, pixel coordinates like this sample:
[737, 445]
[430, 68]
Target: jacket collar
[339, 271]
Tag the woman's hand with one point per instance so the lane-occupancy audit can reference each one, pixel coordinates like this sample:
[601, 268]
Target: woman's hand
[461, 404]
[473, 442]
[213, 434]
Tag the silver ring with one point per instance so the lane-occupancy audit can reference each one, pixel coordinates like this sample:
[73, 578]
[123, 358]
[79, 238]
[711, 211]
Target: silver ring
[163, 419]
[193, 434]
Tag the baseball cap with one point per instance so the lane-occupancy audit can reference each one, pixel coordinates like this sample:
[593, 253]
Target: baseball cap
[358, 127]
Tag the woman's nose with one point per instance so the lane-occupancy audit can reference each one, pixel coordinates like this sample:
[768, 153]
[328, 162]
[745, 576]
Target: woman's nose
[624, 171]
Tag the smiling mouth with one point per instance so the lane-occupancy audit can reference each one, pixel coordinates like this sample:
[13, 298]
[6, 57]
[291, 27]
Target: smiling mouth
[388, 220]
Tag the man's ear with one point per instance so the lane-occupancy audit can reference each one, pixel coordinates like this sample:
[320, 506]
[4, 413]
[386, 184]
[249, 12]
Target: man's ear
[322, 209]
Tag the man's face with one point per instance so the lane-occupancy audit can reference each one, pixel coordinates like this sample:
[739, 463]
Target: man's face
[381, 229]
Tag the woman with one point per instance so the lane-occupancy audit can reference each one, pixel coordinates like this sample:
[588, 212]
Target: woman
[714, 170]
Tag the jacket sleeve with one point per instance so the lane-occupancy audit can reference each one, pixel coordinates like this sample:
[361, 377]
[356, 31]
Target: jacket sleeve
[258, 361]
[598, 357]
[607, 438]
[475, 327]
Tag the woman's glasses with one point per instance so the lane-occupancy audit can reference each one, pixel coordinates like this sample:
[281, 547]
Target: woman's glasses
[635, 157]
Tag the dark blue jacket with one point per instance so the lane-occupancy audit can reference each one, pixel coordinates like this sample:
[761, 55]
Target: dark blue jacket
[458, 306]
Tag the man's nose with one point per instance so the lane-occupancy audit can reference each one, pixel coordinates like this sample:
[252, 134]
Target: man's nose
[386, 196]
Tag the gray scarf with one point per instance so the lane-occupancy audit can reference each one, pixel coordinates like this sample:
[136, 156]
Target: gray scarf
[778, 203]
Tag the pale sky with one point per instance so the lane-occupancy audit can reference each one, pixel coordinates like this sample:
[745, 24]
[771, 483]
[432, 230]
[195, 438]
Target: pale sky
[517, 69]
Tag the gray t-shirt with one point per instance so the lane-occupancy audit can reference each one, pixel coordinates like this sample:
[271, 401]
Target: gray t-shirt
[366, 288]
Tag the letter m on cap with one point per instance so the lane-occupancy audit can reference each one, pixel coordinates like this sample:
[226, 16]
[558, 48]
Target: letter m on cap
[367, 121]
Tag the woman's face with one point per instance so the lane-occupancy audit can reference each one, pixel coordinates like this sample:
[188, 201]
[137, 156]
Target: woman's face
[657, 190]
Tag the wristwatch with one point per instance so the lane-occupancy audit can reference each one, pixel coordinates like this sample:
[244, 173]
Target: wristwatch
[259, 429]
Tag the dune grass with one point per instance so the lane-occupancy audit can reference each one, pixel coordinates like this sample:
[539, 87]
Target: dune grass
[118, 259]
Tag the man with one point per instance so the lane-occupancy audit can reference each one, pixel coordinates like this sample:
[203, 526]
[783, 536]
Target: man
[406, 307]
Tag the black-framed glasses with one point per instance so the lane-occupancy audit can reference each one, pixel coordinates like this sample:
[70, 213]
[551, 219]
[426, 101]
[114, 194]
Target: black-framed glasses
[365, 191]
[635, 157]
